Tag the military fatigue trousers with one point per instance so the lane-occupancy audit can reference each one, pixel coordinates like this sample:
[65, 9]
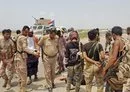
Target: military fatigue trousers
[90, 72]
[126, 86]
[21, 69]
[49, 69]
[6, 71]
[74, 76]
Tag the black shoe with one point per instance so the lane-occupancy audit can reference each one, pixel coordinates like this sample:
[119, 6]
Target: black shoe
[53, 85]
[50, 89]
[36, 79]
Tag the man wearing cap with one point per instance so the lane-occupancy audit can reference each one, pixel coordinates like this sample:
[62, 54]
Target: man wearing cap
[50, 50]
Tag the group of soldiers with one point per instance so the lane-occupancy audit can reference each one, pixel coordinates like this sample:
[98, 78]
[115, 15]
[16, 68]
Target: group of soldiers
[14, 57]
[79, 60]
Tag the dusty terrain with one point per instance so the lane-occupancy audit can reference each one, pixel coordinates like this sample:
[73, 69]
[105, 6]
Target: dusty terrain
[38, 85]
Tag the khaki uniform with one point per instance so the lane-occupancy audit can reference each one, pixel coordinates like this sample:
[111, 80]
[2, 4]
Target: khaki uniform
[50, 50]
[92, 50]
[21, 61]
[90, 72]
[7, 50]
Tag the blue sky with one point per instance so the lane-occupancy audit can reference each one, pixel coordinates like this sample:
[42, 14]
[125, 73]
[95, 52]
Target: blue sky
[68, 13]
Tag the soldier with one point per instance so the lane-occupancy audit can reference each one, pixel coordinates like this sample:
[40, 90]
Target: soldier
[73, 63]
[62, 43]
[50, 50]
[7, 49]
[21, 58]
[108, 37]
[17, 34]
[93, 54]
[127, 85]
[109, 71]
[128, 33]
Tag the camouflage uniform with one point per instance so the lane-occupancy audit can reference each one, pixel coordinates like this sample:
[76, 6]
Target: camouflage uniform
[7, 50]
[21, 61]
[124, 67]
[74, 77]
[74, 66]
[61, 55]
[50, 50]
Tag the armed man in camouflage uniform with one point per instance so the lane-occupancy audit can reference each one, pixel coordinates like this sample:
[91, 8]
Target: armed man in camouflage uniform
[73, 62]
[7, 50]
[21, 58]
[111, 69]
[127, 85]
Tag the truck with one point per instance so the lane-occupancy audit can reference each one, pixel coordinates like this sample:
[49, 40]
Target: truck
[40, 26]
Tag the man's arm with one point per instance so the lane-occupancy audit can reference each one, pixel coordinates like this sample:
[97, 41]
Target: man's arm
[25, 48]
[41, 41]
[87, 59]
[36, 43]
[67, 53]
[101, 52]
[13, 48]
[113, 56]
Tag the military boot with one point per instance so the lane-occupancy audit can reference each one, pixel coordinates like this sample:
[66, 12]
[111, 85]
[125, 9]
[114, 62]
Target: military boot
[10, 76]
[8, 85]
[5, 83]
[53, 85]
[77, 89]
[50, 89]
[35, 78]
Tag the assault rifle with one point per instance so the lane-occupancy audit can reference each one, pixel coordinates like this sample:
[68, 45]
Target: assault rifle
[114, 68]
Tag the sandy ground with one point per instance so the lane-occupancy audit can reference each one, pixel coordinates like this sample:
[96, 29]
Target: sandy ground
[38, 85]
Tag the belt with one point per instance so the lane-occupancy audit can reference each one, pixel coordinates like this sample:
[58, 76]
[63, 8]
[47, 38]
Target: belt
[20, 52]
[49, 55]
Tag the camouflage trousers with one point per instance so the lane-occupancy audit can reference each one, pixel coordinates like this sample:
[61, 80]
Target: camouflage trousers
[60, 62]
[6, 71]
[126, 86]
[74, 76]
[90, 72]
[21, 70]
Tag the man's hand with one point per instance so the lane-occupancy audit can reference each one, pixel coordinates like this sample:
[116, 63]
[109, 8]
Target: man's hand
[37, 54]
[97, 64]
